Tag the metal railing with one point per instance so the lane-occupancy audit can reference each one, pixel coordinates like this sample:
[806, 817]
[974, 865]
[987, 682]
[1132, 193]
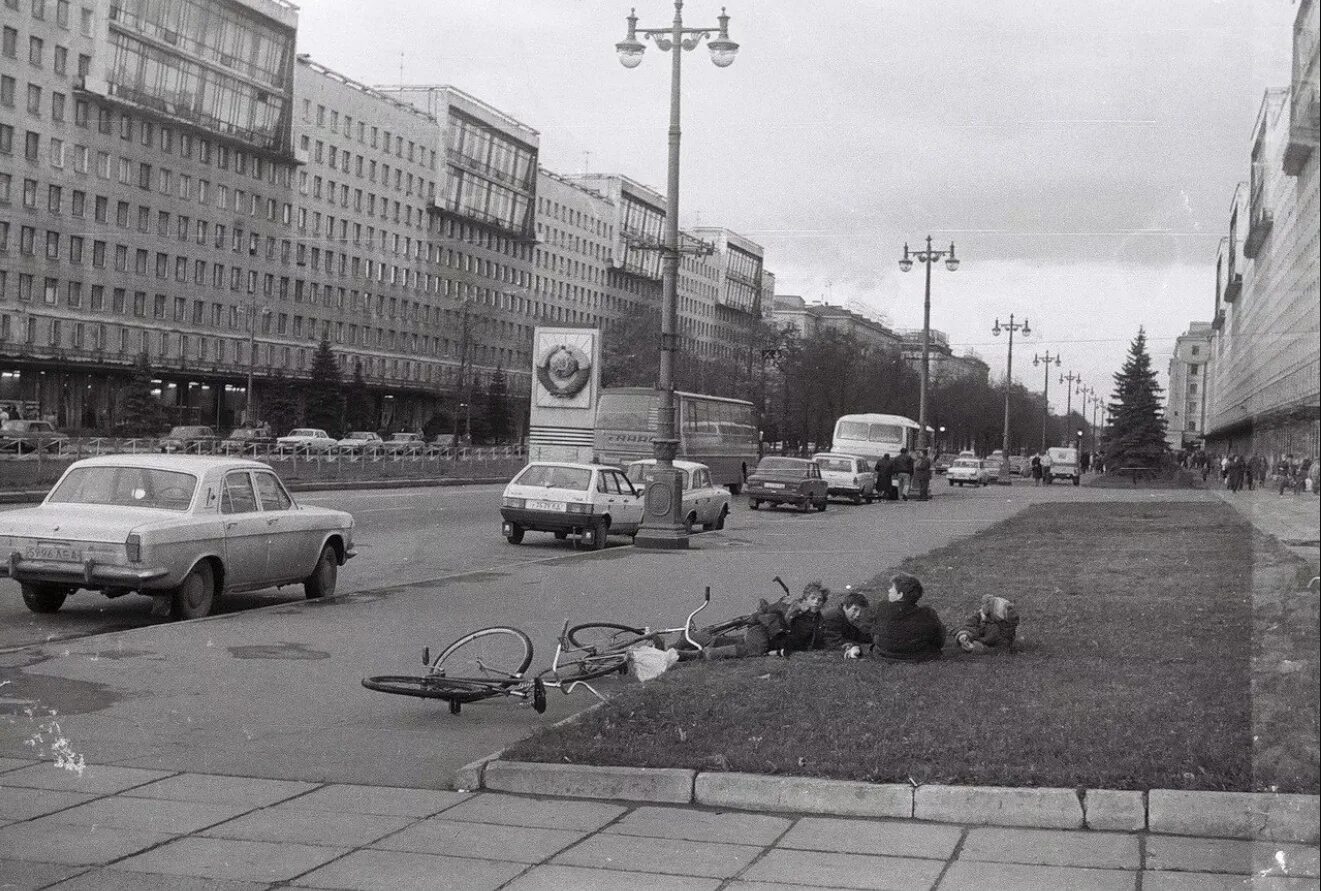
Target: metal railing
[35, 448]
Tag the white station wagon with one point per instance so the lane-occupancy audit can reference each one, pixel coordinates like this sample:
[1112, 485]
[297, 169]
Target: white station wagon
[704, 503]
[587, 500]
[180, 529]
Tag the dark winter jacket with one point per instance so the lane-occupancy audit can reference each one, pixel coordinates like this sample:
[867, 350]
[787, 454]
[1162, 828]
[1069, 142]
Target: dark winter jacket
[837, 631]
[906, 632]
[884, 472]
[904, 464]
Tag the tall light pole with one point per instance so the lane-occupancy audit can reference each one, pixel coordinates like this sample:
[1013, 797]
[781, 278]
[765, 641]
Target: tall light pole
[1068, 401]
[927, 257]
[1045, 408]
[248, 419]
[662, 523]
[1009, 376]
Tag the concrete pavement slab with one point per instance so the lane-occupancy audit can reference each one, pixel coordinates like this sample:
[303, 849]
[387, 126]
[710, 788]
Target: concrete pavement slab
[94, 779]
[74, 845]
[660, 855]
[485, 841]
[998, 806]
[1250, 815]
[8, 764]
[819, 869]
[1210, 881]
[1231, 856]
[1046, 847]
[695, 825]
[247, 791]
[969, 875]
[383, 800]
[889, 838]
[25, 804]
[576, 878]
[279, 824]
[146, 815]
[111, 879]
[405, 871]
[589, 781]
[513, 810]
[232, 859]
[24, 875]
[740, 885]
[807, 795]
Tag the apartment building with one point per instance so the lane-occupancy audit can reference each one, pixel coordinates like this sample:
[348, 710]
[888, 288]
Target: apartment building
[943, 365]
[811, 319]
[1265, 394]
[1185, 406]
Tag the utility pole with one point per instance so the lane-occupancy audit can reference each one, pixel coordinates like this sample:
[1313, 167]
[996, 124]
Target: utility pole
[461, 388]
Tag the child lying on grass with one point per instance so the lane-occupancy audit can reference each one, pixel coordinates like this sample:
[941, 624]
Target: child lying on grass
[991, 628]
[902, 630]
[782, 626]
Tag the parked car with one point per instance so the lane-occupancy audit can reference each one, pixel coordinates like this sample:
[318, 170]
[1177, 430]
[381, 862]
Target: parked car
[19, 437]
[993, 466]
[591, 501]
[704, 502]
[847, 476]
[362, 442]
[1019, 465]
[405, 444]
[181, 529]
[943, 461]
[969, 472]
[194, 440]
[795, 481]
[245, 440]
[1064, 465]
[307, 439]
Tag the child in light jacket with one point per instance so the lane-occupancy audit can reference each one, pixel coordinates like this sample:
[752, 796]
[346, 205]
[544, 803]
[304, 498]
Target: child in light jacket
[991, 628]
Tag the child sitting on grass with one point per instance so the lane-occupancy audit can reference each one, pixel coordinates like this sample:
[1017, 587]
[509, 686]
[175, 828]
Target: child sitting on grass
[782, 626]
[902, 630]
[991, 628]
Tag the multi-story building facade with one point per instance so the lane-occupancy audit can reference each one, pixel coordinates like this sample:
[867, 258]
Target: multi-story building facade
[1185, 406]
[943, 364]
[1266, 359]
[812, 319]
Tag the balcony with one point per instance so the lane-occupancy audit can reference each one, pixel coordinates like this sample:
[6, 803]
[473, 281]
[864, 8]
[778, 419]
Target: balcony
[1219, 321]
[1233, 286]
[1259, 226]
[1304, 112]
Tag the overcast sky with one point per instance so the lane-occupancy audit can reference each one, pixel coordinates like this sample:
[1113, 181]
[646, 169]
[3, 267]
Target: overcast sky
[1082, 156]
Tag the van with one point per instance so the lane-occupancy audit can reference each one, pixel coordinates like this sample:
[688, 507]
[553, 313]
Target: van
[1064, 464]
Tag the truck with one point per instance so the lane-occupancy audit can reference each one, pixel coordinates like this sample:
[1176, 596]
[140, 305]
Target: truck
[1064, 464]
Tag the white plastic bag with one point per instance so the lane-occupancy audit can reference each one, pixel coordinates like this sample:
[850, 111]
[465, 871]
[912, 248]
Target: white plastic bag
[647, 662]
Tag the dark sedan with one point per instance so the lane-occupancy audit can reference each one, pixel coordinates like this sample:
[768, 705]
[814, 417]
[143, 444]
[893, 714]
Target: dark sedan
[795, 481]
[193, 439]
[20, 437]
[246, 441]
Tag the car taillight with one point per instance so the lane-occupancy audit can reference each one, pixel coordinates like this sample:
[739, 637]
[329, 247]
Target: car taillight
[578, 507]
[133, 547]
[514, 502]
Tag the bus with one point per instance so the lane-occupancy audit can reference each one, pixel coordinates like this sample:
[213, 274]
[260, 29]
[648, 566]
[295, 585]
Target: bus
[718, 432]
[871, 436]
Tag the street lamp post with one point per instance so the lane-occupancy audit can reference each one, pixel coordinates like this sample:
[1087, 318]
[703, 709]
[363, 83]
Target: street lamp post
[1009, 376]
[769, 354]
[1068, 401]
[1045, 408]
[252, 358]
[926, 257]
[662, 522]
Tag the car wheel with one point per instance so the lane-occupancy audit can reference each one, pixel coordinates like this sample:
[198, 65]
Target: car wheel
[720, 520]
[823, 504]
[45, 598]
[857, 499]
[196, 594]
[688, 523]
[560, 535]
[515, 535]
[806, 506]
[597, 534]
[321, 583]
[951, 482]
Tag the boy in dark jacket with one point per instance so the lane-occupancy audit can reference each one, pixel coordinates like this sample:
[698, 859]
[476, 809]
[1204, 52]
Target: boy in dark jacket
[992, 628]
[904, 631]
[843, 627]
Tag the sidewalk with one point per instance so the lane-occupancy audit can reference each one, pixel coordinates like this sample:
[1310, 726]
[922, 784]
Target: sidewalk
[117, 827]
[1293, 519]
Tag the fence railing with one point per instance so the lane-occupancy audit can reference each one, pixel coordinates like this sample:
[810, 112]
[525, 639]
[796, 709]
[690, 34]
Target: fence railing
[33, 448]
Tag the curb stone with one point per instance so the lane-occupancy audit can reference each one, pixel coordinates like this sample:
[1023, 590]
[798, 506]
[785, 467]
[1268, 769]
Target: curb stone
[1256, 816]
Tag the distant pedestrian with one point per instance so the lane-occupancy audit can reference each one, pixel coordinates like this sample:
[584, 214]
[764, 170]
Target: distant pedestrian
[922, 476]
[1224, 468]
[1085, 462]
[1237, 468]
[1045, 467]
[885, 477]
[903, 473]
[1036, 469]
[4, 414]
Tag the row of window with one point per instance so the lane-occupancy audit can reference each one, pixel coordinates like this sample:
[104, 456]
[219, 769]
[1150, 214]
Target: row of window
[40, 8]
[380, 138]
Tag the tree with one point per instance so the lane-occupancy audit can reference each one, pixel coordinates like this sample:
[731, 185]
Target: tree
[141, 413]
[496, 409]
[359, 413]
[325, 396]
[280, 405]
[630, 351]
[1137, 433]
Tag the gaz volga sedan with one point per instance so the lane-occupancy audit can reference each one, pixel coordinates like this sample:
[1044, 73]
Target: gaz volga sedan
[181, 530]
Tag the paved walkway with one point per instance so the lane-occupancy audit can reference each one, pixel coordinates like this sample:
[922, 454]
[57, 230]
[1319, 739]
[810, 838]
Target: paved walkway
[116, 828]
[1294, 519]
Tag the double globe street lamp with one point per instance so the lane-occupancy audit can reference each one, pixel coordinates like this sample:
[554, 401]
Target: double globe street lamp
[1045, 408]
[662, 521]
[927, 257]
[1009, 376]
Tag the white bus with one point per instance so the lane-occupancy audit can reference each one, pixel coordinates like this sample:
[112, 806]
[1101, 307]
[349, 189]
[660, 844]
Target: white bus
[871, 436]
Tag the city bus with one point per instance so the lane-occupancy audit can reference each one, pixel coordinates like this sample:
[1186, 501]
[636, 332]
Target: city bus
[718, 432]
[871, 436]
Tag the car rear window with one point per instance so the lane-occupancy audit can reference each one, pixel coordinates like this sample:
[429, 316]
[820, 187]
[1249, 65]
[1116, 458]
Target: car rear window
[555, 477]
[127, 486]
[842, 464]
[794, 464]
[965, 462]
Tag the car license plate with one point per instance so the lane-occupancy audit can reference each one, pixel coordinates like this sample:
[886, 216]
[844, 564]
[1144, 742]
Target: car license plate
[775, 485]
[61, 551]
[558, 506]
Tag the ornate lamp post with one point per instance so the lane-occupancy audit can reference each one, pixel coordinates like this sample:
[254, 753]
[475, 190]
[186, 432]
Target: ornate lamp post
[927, 257]
[1045, 409]
[1009, 376]
[1071, 378]
[662, 525]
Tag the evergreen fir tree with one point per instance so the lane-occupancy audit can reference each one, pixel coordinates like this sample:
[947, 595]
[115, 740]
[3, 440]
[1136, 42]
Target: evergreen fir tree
[359, 413]
[325, 395]
[1137, 420]
[497, 407]
[141, 413]
[279, 405]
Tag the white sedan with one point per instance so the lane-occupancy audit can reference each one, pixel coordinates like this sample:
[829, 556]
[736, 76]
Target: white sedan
[307, 439]
[968, 472]
[181, 530]
[587, 500]
[703, 502]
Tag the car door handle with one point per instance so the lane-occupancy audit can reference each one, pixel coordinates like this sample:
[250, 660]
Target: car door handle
[272, 521]
[229, 526]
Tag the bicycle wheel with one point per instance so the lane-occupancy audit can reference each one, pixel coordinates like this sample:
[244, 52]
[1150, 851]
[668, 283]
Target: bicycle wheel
[605, 637]
[496, 653]
[452, 689]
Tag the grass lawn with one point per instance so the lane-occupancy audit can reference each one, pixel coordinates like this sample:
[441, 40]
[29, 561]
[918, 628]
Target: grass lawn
[1133, 672]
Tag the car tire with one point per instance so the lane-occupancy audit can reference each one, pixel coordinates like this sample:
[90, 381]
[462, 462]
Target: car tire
[321, 583]
[599, 530]
[720, 520]
[822, 505]
[689, 522]
[753, 504]
[45, 598]
[561, 535]
[857, 499]
[515, 535]
[806, 506]
[196, 595]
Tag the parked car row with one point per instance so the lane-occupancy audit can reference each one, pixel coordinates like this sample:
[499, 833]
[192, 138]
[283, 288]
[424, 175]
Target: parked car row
[20, 437]
[202, 440]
